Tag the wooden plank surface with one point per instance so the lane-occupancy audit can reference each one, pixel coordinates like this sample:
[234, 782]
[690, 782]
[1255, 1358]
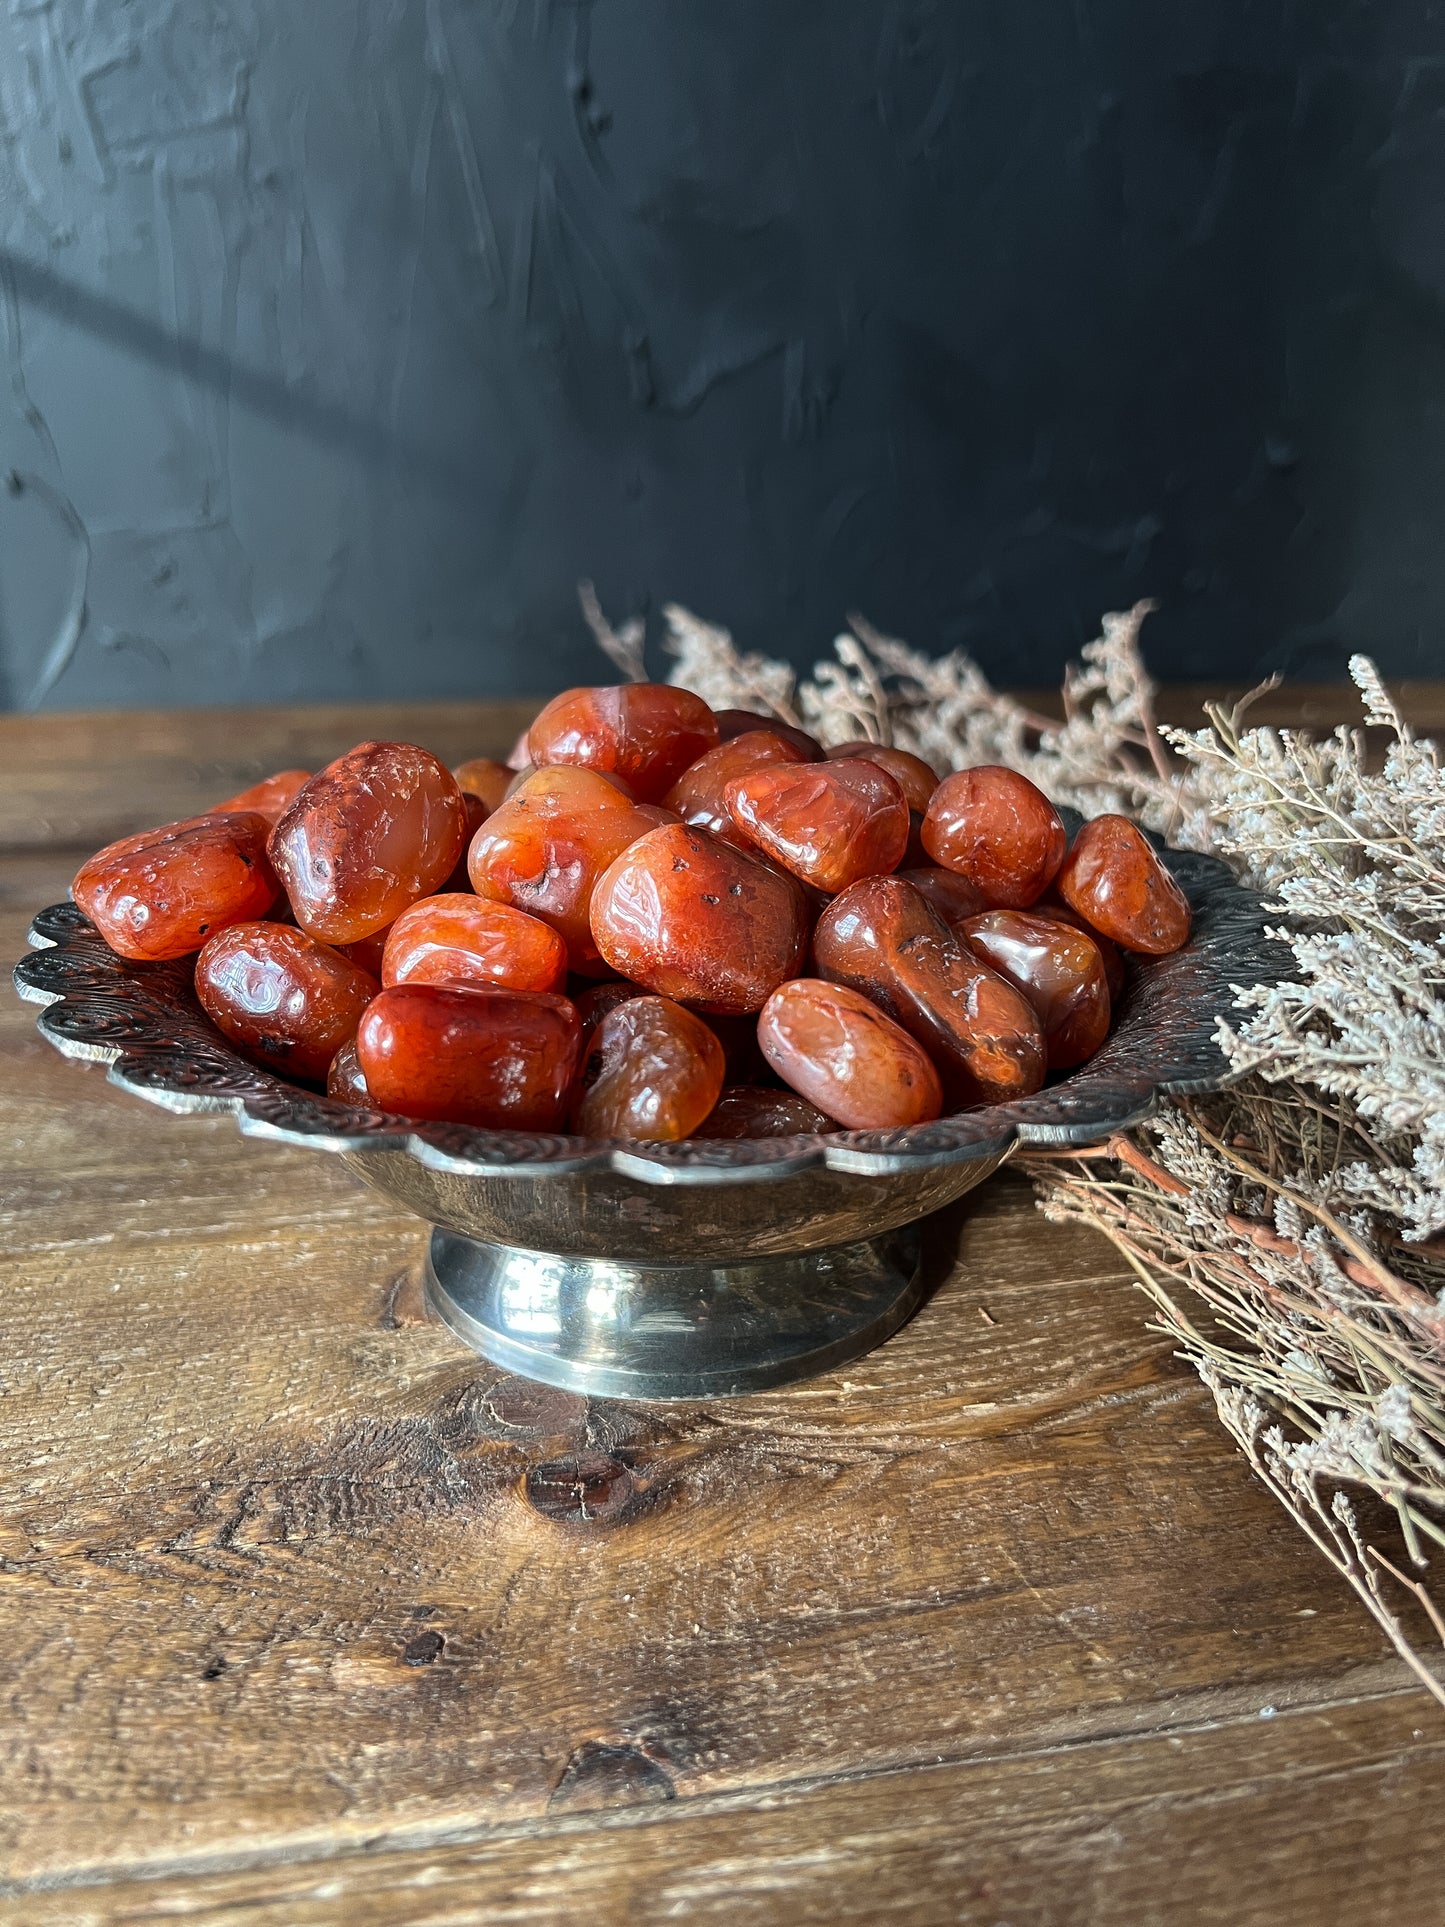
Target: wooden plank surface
[299, 1624]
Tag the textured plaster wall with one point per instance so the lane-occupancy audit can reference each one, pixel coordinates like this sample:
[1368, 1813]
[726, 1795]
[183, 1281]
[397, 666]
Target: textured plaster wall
[337, 339]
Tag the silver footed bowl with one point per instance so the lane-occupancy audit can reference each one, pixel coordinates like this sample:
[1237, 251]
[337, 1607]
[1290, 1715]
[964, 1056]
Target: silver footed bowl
[665, 1270]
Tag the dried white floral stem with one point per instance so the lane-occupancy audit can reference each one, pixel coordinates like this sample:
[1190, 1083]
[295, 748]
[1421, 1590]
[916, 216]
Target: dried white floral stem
[1290, 1231]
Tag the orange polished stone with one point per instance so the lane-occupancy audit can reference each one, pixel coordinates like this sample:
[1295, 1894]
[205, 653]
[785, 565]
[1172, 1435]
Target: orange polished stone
[750, 1111]
[699, 796]
[843, 1054]
[161, 893]
[690, 917]
[594, 1004]
[996, 828]
[885, 940]
[477, 813]
[647, 732]
[1059, 971]
[1113, 879]
[374, 831]
[482, 778]
[500, 1059]
[368, 952]
[271, 797]
[345, 1079]
[829, 823]
[281, 995]
[1050, 905]
[917, 779]
[545, 848]
[461, 938]
[652, 1071]
[951, 895]
[738, 722]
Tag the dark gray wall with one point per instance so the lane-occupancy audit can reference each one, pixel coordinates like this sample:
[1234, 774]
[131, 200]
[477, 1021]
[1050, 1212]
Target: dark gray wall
[341, 336]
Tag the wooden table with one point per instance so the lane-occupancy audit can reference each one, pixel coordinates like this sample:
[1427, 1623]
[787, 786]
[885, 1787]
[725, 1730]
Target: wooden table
[307, 1618]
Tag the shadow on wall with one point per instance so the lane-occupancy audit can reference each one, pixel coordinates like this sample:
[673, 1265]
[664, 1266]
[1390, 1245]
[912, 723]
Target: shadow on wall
[330, 372]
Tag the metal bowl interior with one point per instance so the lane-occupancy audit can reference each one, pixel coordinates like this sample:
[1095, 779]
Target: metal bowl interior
[698, 1201]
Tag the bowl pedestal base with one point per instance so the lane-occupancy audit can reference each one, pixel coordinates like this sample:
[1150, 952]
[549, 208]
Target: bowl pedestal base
[616, 1329]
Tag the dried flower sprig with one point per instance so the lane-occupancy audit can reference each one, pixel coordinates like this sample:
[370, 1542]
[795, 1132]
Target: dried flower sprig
[1288, 1231]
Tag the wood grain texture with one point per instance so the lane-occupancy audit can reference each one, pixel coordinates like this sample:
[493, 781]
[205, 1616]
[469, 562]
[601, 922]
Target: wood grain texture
[979, 1628]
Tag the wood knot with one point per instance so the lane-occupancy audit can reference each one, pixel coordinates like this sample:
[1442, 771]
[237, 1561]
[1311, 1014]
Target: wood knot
[422, 1648]
[605, 1774]
[583, 1488]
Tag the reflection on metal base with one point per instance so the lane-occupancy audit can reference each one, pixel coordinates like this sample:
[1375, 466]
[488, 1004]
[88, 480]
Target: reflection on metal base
[619, 1330]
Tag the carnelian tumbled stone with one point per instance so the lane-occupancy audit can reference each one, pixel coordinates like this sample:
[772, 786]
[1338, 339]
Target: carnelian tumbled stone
[842, 1053]
[271, 797]
[652, 1071]
[281, 995]
[690, 917]
[594, 1004]
[162, 893]
[699, 795]
[1116, 883]
[999, 830]
[345, 1080]
[468, 1054]
[648, 732]
[738, 722]
[885, 940]
[545, 848]
[951, 895]
[1057, 911]
[829, 823]
[483, 778]
[459, 938]
[1058, 969]
[917, 779]
[750, 1111]
[369, 834]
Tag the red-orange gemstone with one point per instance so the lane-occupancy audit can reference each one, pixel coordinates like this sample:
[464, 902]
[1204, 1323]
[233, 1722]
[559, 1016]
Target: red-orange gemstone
[374, 831]
[749, 1111]
[699, 795]
[281, 995]
[458, 938]
[652, 1071]
[345, 1080]
[885, 940]
[1059, 970]
[501, 1059]
[367, 952]
[1051, 906]
[271, 797]
[917, 779]
[162, 893]
[594, 1004]
[842, 1053]
[477, 813]
[738, 722]
[545, 848]
[1116, 883]
[951, 895]
[692, 918]
[999, 830]
[648, 732]
[482, 778]
[829, 823]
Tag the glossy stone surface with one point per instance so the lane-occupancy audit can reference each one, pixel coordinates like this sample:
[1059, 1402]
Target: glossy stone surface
[737, 722]
[692, 918]
[500, 1059]
[829, 823]
[271, 797]
[917, 779]
[594, 1004]
[844, 1055]
[371, 833]
[752, 1111]
[699, 796]
[1113, 879]
[951, 895]
[368, 952]
[647, 732]
[652, 1071]
[461, 938]
[345, 1079]
[999, 830]
[484, 779]
[885, 940]
[282, 996]
[1058, 969]
[476, 813]
[545, 848]
[163, 892]
[1050, 904]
